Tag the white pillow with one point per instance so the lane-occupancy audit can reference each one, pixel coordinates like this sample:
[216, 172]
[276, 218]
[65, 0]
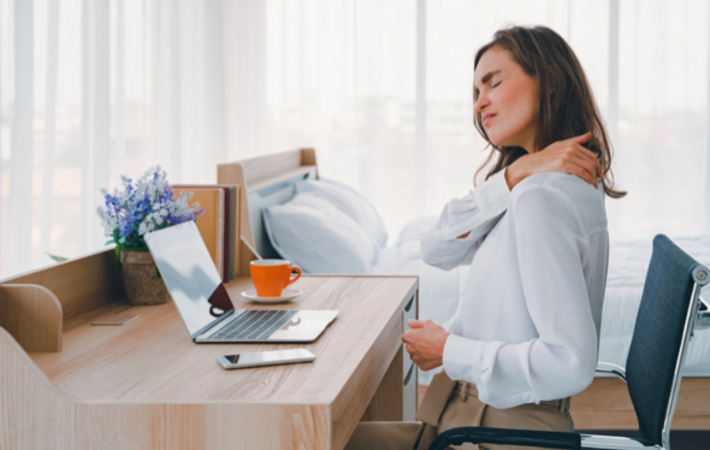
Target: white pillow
[312, 233]
[351, 202]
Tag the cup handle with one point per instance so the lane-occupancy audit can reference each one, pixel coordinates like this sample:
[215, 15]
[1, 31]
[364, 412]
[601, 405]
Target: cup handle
[298, 275]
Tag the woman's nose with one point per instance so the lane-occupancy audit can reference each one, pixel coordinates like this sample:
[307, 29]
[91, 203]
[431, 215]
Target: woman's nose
[481, 103]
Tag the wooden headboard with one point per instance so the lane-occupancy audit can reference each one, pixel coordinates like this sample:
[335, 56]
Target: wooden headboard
[265, 181]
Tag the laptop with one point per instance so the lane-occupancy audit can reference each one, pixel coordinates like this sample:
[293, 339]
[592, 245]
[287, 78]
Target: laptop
[204, 304]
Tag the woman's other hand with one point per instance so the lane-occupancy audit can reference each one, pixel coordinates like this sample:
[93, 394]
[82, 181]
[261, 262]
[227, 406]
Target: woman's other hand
[425, 342]
[568, 156]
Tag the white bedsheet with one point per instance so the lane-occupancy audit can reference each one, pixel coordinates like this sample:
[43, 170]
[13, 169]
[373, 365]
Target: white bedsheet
[440, 291]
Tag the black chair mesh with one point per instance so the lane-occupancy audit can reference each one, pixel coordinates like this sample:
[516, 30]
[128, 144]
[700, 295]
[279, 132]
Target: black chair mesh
[657, 335]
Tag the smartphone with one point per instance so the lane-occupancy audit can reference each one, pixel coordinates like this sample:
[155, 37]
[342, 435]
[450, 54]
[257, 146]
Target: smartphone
[265, 358]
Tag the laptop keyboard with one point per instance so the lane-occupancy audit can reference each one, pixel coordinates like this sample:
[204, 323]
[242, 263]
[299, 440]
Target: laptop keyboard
[254, 324]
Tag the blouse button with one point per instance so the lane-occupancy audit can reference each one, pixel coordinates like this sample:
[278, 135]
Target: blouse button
[494, 209]
[502, 202]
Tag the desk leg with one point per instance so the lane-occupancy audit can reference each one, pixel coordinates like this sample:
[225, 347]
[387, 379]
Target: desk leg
[387, 403]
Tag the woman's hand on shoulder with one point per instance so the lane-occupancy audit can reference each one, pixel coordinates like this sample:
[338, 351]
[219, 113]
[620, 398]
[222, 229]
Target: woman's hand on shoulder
[568, 156]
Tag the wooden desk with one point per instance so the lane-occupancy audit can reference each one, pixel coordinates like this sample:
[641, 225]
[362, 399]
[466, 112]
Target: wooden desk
[146, 385]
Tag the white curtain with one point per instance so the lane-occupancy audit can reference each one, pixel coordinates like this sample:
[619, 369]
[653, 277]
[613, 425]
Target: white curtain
[91, 89]
[663, 144]
[339, 76]
[353, 79]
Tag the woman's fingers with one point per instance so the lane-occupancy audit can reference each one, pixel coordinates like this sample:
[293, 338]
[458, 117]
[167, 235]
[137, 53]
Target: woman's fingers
[576, 143]
[588, 159]
[597, 166]
[584, 174]
[591, 164]
[582, 138]
[577, 163]
[593, 157]
[584, 169]
[414, 323]
[588, 153]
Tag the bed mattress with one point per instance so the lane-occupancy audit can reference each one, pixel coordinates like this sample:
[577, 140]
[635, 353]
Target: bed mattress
[440, 291]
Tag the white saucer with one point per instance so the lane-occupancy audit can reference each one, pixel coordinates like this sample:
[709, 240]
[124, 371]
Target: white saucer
[287, 295]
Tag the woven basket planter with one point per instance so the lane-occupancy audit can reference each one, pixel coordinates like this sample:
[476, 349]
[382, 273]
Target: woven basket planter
[141, 279]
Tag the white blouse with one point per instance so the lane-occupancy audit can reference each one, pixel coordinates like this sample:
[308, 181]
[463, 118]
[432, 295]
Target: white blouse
[527, 328]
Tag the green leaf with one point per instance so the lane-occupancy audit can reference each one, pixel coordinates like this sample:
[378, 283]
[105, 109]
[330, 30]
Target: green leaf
[110, 241]
[57, 258]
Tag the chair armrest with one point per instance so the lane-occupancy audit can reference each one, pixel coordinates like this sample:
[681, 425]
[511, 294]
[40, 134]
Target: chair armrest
[599, 442]
[504, 436]
[613, 369]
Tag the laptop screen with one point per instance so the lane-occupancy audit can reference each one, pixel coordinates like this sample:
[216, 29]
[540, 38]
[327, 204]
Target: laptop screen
[188, 272]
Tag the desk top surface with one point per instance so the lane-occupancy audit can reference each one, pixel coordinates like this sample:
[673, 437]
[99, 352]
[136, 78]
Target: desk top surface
[152, 358]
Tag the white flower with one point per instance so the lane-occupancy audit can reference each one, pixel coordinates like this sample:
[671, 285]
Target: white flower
[144, 195]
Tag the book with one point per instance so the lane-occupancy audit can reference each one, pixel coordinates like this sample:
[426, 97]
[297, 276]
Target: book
[234, 249]
[232, 203]
[211, 224]
[229, 219]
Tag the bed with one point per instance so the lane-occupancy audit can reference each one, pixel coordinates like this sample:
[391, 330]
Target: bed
[274, 182]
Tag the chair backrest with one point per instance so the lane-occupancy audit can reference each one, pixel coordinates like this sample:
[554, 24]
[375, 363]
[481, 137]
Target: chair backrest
[666, 315]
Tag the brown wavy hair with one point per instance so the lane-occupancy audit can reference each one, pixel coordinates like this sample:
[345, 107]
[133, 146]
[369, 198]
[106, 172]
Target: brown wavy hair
[570, 110]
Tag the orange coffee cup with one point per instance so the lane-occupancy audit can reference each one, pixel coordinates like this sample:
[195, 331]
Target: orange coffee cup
[271, 276]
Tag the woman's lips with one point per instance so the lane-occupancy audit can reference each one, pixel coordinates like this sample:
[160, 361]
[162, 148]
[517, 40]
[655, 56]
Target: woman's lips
[487, 118]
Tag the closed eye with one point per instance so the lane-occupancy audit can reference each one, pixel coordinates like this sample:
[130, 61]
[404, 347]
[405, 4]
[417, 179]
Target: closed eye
[494, 85]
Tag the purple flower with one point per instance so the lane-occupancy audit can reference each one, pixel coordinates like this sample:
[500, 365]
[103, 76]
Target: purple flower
[142, 207]
[125, 227]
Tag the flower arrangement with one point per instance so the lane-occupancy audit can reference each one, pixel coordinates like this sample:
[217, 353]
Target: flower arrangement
[142, 207]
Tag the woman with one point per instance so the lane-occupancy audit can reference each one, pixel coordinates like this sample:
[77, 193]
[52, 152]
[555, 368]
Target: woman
[527, 331]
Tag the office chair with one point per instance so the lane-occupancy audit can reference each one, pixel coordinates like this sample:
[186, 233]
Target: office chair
[671, 310]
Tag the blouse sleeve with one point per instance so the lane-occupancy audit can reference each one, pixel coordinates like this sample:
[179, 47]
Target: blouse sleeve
[560, 362]
[477, 212]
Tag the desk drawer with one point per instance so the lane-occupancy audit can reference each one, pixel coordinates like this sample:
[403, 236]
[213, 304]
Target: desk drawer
[410, 311]
[410, 370]
[411, 378]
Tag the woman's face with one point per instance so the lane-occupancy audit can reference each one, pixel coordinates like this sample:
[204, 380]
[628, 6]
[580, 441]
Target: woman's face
[507, 100]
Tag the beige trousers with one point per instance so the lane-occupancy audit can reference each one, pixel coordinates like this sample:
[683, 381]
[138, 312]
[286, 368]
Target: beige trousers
[449, 404]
